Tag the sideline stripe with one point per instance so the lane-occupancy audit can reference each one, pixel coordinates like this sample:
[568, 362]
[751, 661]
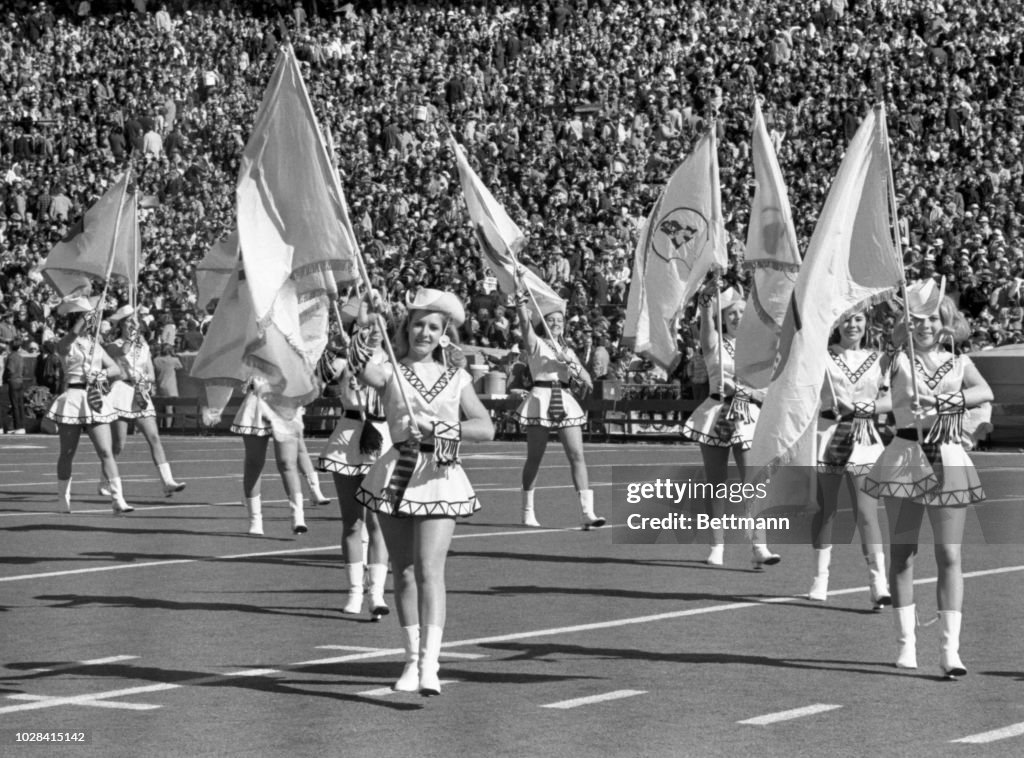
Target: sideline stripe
[795, 713]
[996, 734]
[265, 553]
[580, 701]
[476, 535]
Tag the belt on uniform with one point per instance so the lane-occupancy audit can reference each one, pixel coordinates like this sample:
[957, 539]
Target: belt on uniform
[358, 416]
[728, 399]
[551, 384]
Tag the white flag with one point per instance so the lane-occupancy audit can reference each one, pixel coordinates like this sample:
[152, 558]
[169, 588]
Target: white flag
[851, 262]
[499, 238]
[683, 237]
[773, 255]
[105, 242]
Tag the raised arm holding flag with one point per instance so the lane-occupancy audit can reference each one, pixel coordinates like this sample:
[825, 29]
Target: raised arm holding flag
[98, 249]
[553, 366]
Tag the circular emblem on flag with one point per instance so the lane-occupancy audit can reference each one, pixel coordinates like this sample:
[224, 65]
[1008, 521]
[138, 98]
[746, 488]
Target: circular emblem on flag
[681, 235]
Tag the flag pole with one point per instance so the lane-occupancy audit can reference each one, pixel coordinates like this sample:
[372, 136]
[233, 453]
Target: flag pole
[333, 292]
[880, 108]
[360, 264]
[109, 268]
[716, 200]
[718, 342]
[133, 286]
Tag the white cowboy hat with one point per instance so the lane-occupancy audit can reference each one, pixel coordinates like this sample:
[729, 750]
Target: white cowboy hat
[439, 302]
[730, 297]
[925, 297]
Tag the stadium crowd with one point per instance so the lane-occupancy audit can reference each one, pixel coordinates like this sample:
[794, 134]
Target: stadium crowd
[574, 113]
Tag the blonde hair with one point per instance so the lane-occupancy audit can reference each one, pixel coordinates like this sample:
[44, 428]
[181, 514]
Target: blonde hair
[401, 339]
[953, 324]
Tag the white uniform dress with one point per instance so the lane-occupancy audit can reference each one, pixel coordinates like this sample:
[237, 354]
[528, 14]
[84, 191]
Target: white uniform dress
[858, 442]
[547, 369]
[723, 421]
[361, 405]
[72, 406]
[257, 417]
[136, 362]
[433, 489]
[938, 471]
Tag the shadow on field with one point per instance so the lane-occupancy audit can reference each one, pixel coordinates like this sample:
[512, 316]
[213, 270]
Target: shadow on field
[148, 603]
[548, 651]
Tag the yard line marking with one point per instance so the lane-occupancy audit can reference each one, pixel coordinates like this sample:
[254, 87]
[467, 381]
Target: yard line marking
[352, 648]
[51, 702]
[95, 703]
[996, 734]
[267, 553]
[253, 672]
[467, 656]
[580, 701]
[111, 659]
[379, 692]
[795, 713]
[470, 535]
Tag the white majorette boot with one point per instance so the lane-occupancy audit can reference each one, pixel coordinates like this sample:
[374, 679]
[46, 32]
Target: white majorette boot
[316, 494]
[587, 517]
[378, 576]
[819, 587]
[254, 505]
[298, 514]
[409, 681]
[762, 556]
[103, 488]
[170, 486]
[949, 655]
[880, 596]
[64, 494]
[117, 499]
[716, 555]
[430, 651]
[906, 636]
[529, 517]
[355, 588]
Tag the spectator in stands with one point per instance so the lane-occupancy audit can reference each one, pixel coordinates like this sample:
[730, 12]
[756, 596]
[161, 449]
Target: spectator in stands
[14, 381]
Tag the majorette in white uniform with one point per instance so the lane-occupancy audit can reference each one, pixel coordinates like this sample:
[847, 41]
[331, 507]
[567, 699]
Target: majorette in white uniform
[723, 421]
[550, 374]
[434, 489]
[851, 443]
[346, 452]
[72, 406]
[938, 472]
[935, 470]
[130, 395]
